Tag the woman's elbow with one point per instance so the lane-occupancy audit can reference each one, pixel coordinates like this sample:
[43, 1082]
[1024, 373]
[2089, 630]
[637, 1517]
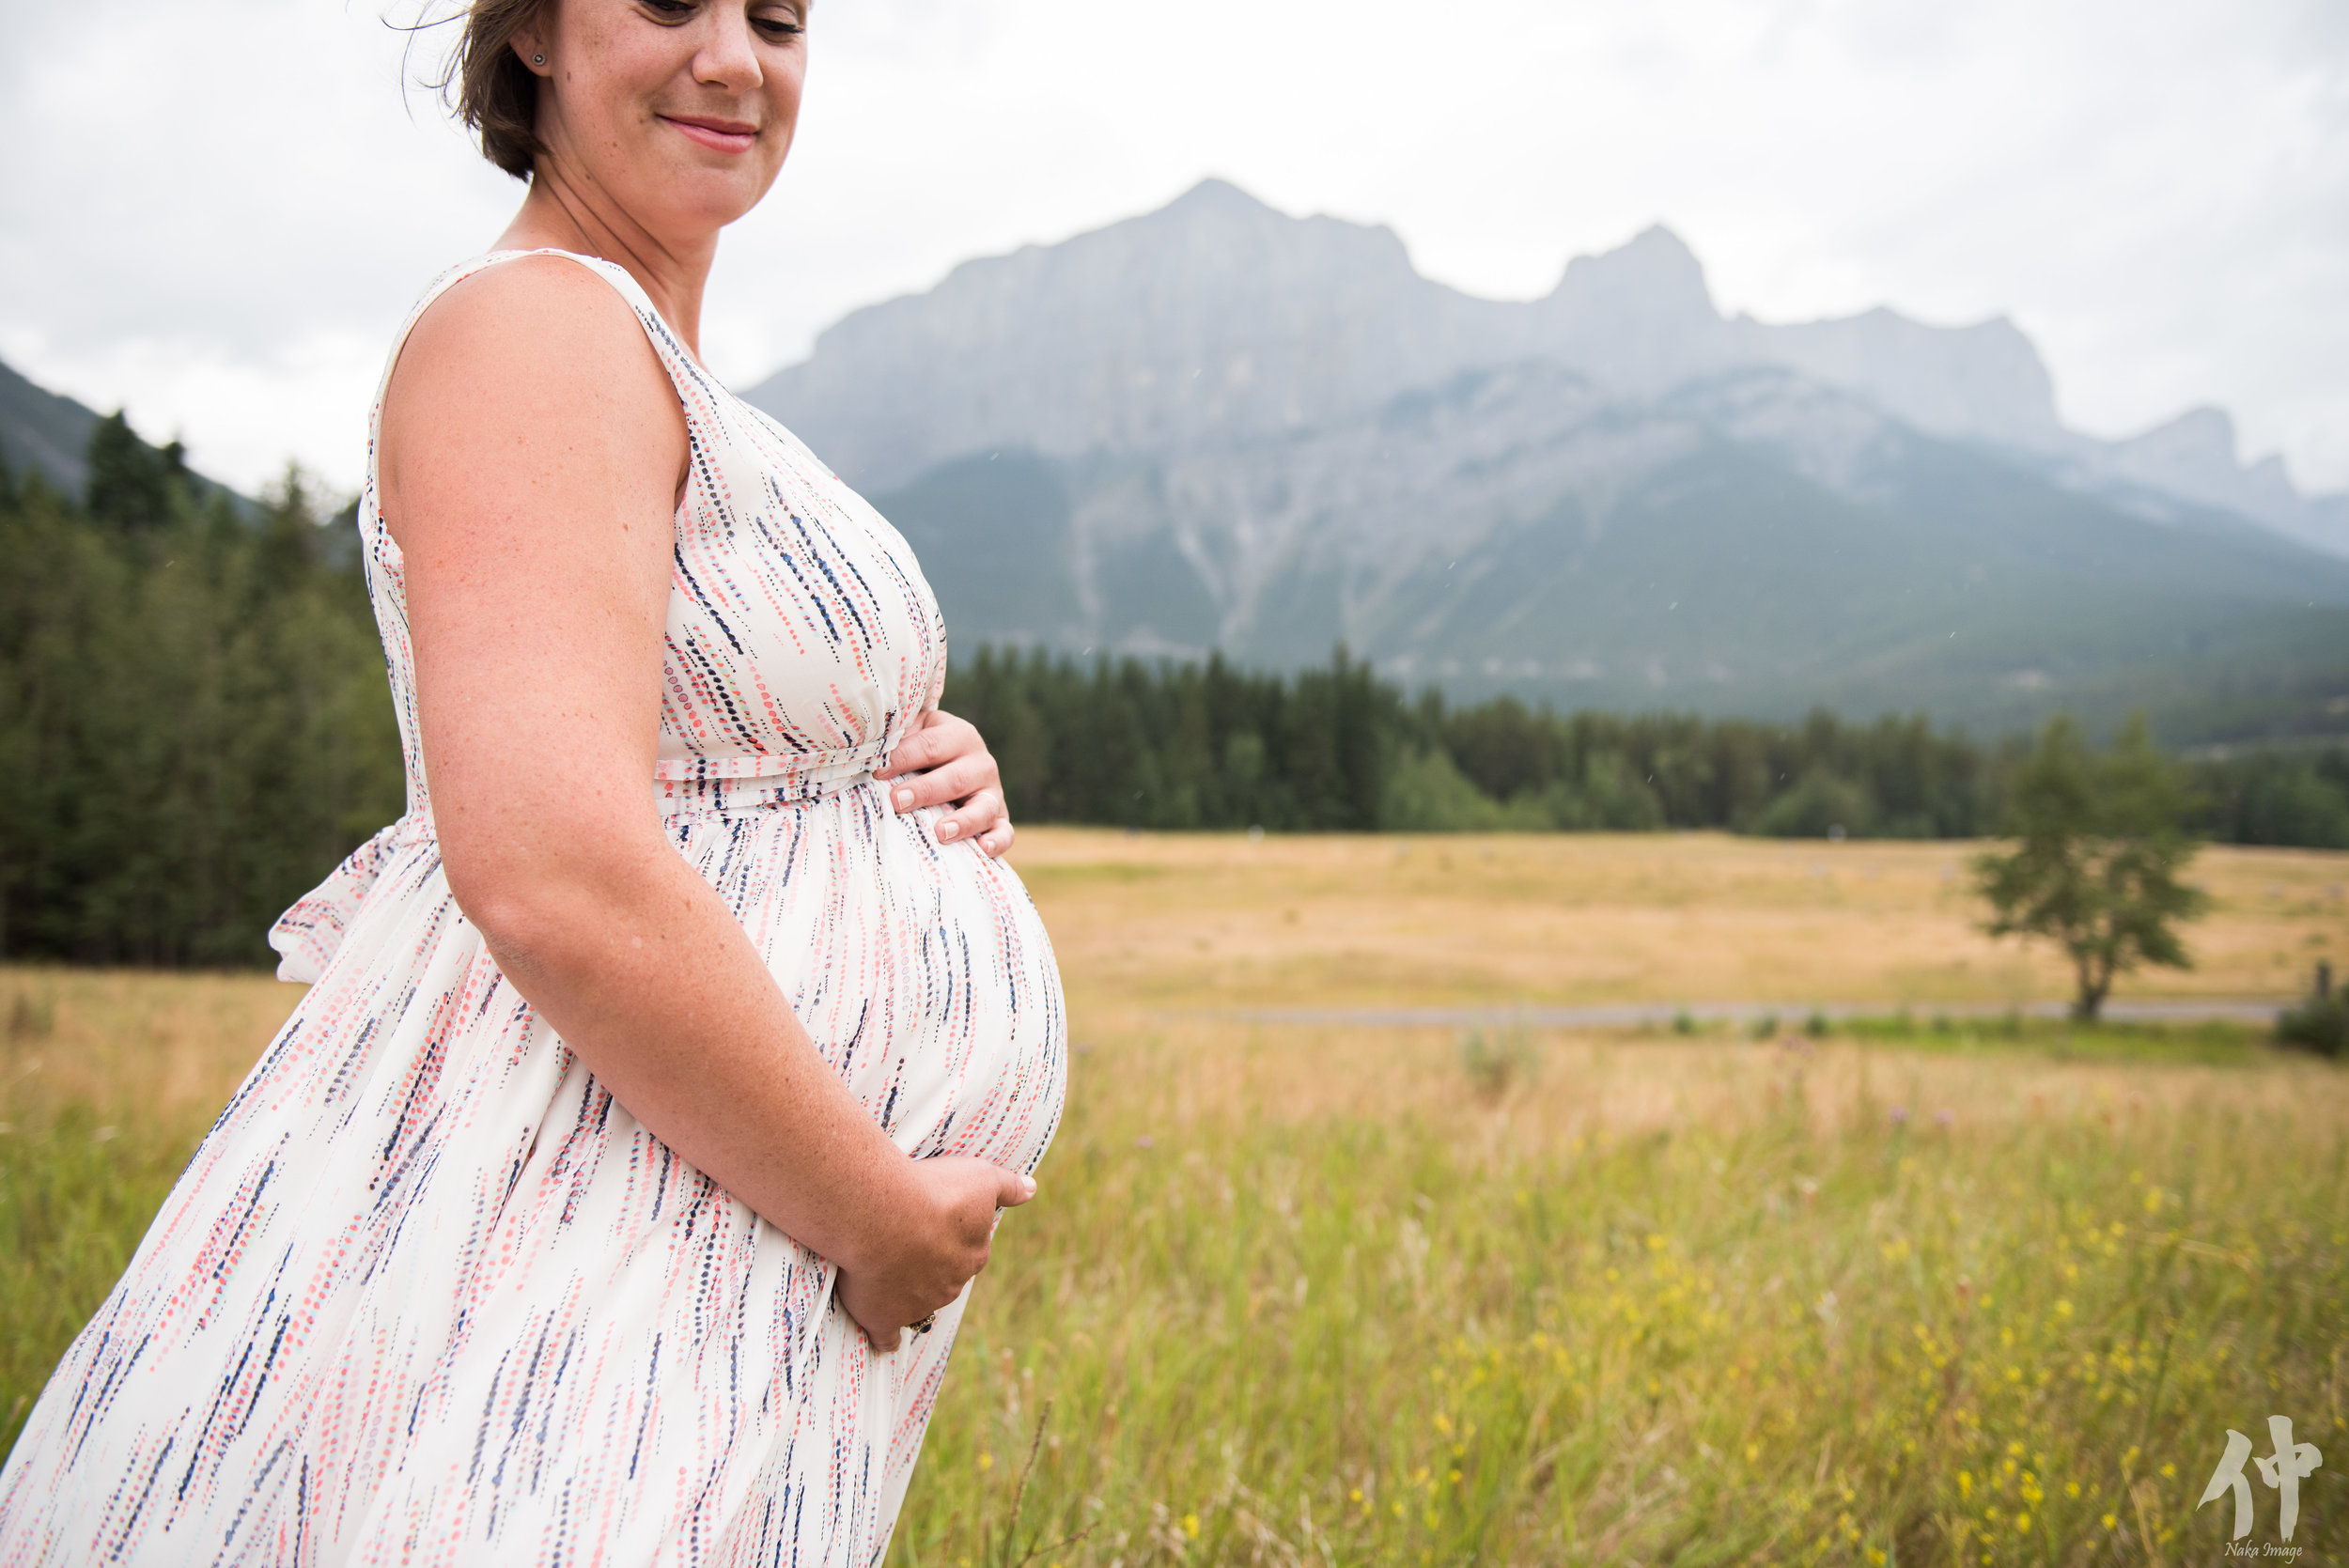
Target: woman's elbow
[506, 905]
[535, 905]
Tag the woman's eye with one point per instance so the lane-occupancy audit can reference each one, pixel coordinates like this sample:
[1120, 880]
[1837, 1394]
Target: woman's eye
[779, 27]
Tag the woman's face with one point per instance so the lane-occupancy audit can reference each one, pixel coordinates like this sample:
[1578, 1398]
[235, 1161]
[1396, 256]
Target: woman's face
[680, 110]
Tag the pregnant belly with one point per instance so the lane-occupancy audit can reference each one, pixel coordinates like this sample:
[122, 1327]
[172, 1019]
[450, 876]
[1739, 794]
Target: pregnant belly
[920, 970]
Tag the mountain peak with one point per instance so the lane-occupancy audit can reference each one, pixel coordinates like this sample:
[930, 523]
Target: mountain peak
[1639, 315]
[1217, 194]
[1216, 212]
[1659, 246]
[1652, 274]
[2202, 434]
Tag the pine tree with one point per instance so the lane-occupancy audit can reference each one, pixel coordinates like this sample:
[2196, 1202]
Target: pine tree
[133, 486]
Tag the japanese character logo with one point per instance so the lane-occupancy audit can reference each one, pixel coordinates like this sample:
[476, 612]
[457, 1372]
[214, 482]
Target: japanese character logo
[2285, 1470]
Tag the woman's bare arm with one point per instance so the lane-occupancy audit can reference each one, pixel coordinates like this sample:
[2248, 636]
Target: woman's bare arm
[531, 458]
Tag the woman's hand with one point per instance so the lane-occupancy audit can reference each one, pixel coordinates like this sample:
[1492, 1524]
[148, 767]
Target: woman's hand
[942, 761]
[940, 1246]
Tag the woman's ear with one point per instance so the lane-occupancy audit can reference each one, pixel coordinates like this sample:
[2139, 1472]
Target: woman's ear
[530, 46]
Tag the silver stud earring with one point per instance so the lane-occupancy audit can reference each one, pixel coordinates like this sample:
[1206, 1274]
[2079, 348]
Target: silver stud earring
[538, 60]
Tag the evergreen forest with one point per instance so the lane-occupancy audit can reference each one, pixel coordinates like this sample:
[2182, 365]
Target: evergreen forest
[195, 728]
[194, 722]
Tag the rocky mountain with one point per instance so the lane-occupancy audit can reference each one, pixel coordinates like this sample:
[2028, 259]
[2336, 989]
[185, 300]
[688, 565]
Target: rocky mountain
[1219, 426]
[1218, 317]
[1753, 542]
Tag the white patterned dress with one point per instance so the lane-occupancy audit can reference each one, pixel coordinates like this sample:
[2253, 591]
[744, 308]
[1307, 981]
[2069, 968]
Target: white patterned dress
[427, 1294]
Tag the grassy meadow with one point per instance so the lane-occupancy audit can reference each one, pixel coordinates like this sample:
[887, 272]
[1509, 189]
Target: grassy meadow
[1185, 923]
[1924, 1290]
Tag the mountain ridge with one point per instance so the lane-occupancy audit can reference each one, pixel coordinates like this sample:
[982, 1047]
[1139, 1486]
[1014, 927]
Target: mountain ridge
[49, 434]
[1217, 428]
[44, 430]
[1134, 336]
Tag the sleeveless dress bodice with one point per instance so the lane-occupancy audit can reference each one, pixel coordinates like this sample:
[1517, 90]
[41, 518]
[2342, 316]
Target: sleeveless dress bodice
[427, 1293]
[802, 637]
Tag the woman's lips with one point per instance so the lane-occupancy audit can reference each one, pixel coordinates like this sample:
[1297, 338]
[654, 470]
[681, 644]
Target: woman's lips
[718, 135]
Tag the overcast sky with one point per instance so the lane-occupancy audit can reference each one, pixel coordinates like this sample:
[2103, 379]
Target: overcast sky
[216, 214]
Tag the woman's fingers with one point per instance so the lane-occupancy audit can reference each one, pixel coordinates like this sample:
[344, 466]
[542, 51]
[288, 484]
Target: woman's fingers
[883, 1311]
[956, 780]
[940, 738]
[868, 1314]
[974, 817]
[977, 800]
[946, 763]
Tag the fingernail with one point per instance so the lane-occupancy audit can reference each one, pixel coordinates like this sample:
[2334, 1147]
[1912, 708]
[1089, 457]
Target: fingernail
[1027, 1186]
[905, 799]
[948, 829]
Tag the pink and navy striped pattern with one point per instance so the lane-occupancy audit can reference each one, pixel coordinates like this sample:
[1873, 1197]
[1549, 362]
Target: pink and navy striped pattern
[428, 1294]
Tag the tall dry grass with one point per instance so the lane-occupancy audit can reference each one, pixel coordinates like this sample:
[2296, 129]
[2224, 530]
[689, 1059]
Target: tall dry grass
[107, 1081]
[1296, 1295]
[1300, 1294]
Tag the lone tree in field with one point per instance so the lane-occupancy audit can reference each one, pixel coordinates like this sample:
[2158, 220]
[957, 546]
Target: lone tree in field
[2099, 842]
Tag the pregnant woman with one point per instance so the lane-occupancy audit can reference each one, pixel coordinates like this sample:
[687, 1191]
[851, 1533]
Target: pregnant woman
[613, 1194]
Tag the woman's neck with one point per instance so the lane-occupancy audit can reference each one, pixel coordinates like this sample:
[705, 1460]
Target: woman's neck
[564, 213]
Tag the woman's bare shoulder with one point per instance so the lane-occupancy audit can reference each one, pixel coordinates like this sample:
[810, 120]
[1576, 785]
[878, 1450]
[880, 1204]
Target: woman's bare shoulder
[533, 353]
[539, 328]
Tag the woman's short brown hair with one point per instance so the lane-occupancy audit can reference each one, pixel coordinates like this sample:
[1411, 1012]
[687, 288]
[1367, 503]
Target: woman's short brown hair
[496, 95]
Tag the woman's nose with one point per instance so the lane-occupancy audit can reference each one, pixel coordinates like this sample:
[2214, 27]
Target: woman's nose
[728, 55]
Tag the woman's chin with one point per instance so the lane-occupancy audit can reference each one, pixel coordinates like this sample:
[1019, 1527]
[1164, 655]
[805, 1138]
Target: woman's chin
[693, 201]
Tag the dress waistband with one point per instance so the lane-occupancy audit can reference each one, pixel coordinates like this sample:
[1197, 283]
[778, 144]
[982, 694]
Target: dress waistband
[680, 798]
[308, 936]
